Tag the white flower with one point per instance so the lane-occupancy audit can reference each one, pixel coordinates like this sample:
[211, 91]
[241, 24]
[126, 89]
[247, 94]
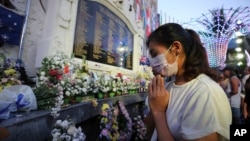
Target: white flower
[55, 136]
[56, 58]
[58, 123]
[62, 82]
[68, 138]
[71, 130]
[57, 62]
[76, 91]
[65, 124]
[67, 93]
[84, 90]
[42, 73]
[78, 80]
[41, 77]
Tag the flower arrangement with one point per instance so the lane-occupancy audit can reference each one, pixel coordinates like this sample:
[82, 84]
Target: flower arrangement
[54, 68]
[139, 129]
[62, 82]
[12, 72]
[9, 78]
[115, 122]
[66, 131]
[56, 80]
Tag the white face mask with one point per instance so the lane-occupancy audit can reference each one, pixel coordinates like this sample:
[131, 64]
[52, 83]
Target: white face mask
[161, 65]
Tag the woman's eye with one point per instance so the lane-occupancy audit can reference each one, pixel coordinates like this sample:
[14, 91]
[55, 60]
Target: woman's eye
[153, 55]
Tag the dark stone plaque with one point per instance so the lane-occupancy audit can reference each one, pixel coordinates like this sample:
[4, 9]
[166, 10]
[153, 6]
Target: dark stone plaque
[102, 36]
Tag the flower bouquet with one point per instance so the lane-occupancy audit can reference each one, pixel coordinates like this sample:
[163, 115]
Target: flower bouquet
[66, 131]
[12, 72]
[139, 129]
[56, 78]
[115, 122]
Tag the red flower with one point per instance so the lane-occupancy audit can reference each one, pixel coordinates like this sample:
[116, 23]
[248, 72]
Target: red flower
[53, 72]
[66, 69]
[59, 77]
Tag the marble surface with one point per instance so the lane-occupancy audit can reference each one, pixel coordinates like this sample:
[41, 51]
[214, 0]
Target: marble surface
[36, 125]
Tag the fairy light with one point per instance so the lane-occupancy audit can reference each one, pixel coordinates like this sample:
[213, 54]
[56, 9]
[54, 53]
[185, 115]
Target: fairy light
[238, 41]
[239, 63]
[238, 33]
[240, 55]
[238, 49]
[216, 29]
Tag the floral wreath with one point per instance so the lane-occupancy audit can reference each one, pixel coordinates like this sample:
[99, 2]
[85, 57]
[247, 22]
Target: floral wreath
[115, 122]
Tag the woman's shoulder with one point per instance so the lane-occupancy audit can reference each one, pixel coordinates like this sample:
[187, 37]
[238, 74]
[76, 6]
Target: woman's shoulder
[206, 80]
[208, 84]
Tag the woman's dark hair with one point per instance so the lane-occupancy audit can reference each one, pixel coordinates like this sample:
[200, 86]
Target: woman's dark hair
[196, 57]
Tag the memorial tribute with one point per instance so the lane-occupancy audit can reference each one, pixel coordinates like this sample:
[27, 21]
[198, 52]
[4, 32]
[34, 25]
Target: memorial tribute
[102, 36]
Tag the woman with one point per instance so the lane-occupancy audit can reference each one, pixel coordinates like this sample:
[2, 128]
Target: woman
[233, 92]
[223, 81]
[193, 106]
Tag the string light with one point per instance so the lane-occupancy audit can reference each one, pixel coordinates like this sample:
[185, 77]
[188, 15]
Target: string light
[217, 28]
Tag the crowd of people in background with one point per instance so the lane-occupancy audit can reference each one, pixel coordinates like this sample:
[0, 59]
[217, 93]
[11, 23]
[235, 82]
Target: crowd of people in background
[237, 90]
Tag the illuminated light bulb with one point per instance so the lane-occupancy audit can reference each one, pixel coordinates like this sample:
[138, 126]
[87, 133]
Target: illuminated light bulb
[238, 33]
[238, 22]
[238, 41]
[240, 55]
[239, 63]
[238, 49]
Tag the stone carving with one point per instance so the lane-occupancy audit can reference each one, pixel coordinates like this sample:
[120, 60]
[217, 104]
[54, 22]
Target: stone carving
[65, 13]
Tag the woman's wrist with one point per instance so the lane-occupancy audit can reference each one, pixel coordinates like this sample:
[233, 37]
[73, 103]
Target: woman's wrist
[158, 113]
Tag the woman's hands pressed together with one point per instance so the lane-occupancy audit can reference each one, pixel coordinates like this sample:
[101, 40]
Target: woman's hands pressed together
[158, 96]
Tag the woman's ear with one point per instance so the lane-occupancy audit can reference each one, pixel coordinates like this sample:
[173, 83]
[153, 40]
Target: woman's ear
[177, 47]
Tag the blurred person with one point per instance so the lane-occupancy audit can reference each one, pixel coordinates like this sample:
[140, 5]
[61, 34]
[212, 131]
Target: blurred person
[246, 104]
[233, 92]
[245, 77]
[243, 82]
[223, 81]
[192, 106]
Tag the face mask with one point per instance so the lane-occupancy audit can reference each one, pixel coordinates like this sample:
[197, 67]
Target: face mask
[161, 65]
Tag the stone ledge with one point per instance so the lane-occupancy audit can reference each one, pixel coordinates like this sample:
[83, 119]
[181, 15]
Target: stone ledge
[37, 124]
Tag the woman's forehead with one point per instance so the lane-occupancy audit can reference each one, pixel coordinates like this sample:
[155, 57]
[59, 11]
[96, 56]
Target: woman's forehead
[154, 45]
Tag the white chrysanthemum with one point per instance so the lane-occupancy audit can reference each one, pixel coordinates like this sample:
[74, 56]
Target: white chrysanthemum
[56, 58]
[56, 62]
[67, 93]
[65, 124]
[78, 80]
[41, 77]
[62, 82]
[42, 73]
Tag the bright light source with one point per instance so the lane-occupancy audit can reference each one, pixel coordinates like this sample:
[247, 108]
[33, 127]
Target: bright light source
[239, 63]
[238, 22]
[238, 41]
[238, 33]
[240, 55]
[121, 49]
[238, 49]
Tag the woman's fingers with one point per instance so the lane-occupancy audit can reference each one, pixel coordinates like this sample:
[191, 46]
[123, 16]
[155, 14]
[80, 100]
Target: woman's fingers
[154, 87]
[150, 89]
